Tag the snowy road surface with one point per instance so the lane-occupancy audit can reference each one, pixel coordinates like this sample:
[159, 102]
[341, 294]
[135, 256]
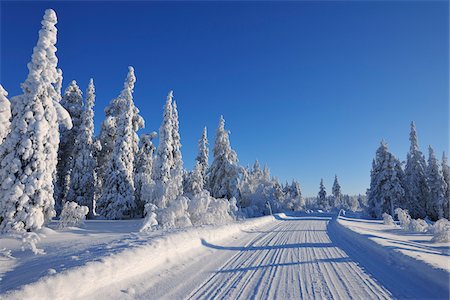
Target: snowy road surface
[289, 258]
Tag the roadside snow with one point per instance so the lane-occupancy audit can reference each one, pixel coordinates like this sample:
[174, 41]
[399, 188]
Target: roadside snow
[80, 261]
[417, 245]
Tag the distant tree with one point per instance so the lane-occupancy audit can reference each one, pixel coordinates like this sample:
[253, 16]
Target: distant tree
[386, 190]
[5, 114]
[82, 176]
[446, 176]
[224, 171]
[437, 186]
[28, 155]
[417, 190]
[72, 101]
[336, 191]
[117, 200]
[322, 201]
[203, 154]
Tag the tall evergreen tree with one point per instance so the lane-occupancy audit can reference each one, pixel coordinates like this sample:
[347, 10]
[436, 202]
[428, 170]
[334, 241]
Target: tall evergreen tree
[322, 201]
[5, 114]
[143, 170]
[438, 187]
[72, 101]
[446, 176]
[106, 139]
[28, 155]
[386, 189]
[417, 190]
[177, 164]
[336, 191]
[223, 174]
[203, 153]
[117, 200]
[82, 176]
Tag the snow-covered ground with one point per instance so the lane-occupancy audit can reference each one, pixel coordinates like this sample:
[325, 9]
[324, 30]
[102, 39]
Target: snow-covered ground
[413, 244]
[273, 257]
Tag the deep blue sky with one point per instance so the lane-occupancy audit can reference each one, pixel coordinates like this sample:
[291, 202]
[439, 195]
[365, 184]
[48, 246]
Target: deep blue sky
[308, 88]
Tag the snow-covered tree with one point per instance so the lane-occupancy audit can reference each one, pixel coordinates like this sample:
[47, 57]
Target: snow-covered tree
[72, 101]
[194, 184]
[437, 186]
[106, 139]
[223, 174]
[82, 176]
[322, 201]
[336, 192]
[296, 195]
[5, 114]
[203, 153]
[446, 176]
[143, 171]
[417, 190]
[28, 155]
[176, 170]
[163, 163]
[117, 200]
[386, 191]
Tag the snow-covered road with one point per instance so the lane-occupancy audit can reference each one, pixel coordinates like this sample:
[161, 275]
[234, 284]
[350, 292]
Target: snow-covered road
[289, 258]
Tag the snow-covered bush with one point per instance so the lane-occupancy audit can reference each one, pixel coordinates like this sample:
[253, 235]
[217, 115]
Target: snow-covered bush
[175, 215]
[387, 219]
[204, 209]
[403, 217]
[441, 231]
[418, 225]
[150, 220]
[72, 214]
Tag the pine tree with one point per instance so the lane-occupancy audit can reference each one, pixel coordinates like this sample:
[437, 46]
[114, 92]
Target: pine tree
[446, 176]
[336, 191]
[224, 171]
[322, 201]
[5, 114]
[386, 189]
[438, 187]
[296, 195]
[163, 163]
[106, 139]
[203, 153]
[72, 101]
[177, 165]
[28, 155]
[117, 200]
[417, 190]
[82, 176]
[143, 170]
[194, 185]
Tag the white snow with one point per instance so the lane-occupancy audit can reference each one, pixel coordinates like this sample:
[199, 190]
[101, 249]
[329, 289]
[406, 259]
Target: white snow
[417, 245]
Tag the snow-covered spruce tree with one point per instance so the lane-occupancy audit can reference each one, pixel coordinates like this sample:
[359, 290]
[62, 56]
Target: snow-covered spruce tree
[296, 195]
[176, 170]
[82, 176]
[5, 114]
[336, 192]
[106, 139]
[322, 201]
[223, 175]
[203, 153]
[194, 184]
[438, 187]
[163, 162]
[143, 171]
[28, 155]
[117, 200]
[446, 176]
[417, 190]
[386, 191]
[72, 101]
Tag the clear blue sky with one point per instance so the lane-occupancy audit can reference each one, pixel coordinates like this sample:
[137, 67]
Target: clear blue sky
[308, 88]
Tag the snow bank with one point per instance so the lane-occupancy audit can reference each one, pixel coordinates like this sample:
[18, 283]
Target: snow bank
[81, 281]
[399, 244]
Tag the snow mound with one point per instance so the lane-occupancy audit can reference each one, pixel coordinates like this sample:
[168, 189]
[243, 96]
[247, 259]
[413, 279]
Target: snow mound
[72, 215]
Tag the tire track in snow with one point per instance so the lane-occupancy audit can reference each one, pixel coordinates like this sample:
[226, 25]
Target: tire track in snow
[294, 259]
